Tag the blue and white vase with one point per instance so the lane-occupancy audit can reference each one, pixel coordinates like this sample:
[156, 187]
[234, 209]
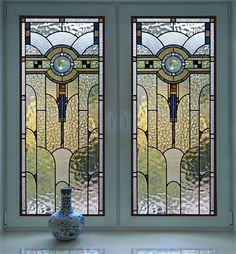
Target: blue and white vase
[66, 224]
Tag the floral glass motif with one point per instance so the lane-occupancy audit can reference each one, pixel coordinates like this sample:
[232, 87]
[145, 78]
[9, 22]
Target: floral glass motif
[62, 101]
[173, 125]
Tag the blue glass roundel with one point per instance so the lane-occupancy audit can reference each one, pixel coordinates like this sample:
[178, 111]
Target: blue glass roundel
[62, 64]
[173, 64]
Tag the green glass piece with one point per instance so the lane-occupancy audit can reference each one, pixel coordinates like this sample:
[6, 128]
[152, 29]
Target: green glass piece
[205, 64]
[157, 64]
[78, 64]
[189, 64]
[140, 64]
[46, 64]
[62, 64]
[94, 64]
[29, 64]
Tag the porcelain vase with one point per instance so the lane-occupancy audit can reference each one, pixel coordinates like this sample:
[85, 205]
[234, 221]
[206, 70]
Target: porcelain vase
[66, 224]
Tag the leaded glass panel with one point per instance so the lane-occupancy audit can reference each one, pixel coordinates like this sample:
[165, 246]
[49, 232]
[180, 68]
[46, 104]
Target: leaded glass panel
[62, 113]
[173, 110]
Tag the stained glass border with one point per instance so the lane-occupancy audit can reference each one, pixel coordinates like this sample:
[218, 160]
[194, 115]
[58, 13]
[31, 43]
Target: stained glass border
[133, 79]
[22, 80]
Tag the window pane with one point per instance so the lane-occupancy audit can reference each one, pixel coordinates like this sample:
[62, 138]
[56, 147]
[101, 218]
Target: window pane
[173, 126]
[62, 113]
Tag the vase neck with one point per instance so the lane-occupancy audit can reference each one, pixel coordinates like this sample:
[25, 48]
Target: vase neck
[66, 204]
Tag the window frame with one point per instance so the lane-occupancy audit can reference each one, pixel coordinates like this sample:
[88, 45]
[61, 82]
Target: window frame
[117, 111]
[220, 11]
[14, 11]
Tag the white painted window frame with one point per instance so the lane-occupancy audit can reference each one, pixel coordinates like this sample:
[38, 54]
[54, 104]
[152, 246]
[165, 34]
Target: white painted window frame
[117, 111]
[220, 10]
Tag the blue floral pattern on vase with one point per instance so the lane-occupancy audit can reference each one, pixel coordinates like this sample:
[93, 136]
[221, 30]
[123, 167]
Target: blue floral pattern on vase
[66, 224]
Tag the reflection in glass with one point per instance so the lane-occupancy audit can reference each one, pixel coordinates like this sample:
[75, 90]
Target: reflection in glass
[68, 251]
[173, 251]
[173, 130]
[61, 114]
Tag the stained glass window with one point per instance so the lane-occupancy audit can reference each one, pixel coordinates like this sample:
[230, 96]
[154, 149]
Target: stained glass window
[62, 103]
[173, 124]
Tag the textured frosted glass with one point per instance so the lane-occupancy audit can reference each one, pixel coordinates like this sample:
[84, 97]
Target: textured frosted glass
[195, 42]
[42, 20]
[44, 28]
[151, 42]
[40, 42]
[195, 20]
[76, 20]
[157, 28]
[203, 50]
[173, 38]
[190, 182]
[62, 114]
[157, 182]
[53, 126]
[83, 42]
[62, 158]
[77, 28]
[204, 108]
[198, 81]
[92, 50]
[173, 160]
[182, 125]
[45, 181]
[72, 124]
[30, 115]
[23, 40]
[41, 132]
[101, 39]
[212, 40]
[163, 125]
[148, 83]
[142, 50]
[31, 50]
[37, 82]
[62, 38]
[148, 20]
[142, 112]
[173, 198]
[189, 29]
[173, 108]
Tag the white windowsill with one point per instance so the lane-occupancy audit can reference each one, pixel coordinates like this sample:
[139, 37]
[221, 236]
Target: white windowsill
[120, 242]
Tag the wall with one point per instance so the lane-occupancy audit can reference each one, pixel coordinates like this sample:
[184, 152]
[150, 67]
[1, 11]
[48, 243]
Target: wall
[1, 120]
[233, 30]
[233, 69]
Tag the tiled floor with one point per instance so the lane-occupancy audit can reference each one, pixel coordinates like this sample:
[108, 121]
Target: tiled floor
[120, 242]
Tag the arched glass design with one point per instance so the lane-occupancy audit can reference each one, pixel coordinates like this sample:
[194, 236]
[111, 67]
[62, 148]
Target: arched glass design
[62, 102]
[173, 116]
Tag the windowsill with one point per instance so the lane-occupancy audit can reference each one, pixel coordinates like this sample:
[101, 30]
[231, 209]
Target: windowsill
[120, 242]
